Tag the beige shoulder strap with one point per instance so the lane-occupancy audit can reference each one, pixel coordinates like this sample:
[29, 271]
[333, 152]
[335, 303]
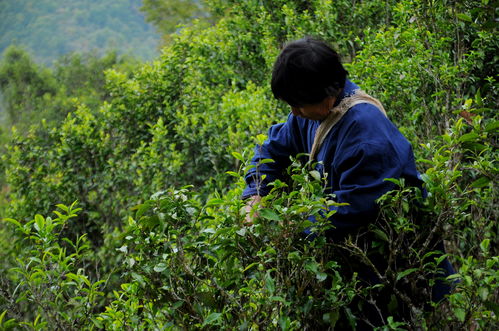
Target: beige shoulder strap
[337, 113]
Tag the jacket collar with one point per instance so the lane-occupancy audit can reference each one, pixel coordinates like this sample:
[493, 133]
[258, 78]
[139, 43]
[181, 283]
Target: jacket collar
[348, 90]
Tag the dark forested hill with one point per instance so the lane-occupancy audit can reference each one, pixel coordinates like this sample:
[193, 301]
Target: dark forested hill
[51, 28]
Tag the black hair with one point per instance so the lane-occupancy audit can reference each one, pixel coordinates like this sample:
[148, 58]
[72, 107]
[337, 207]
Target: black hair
[306, 72]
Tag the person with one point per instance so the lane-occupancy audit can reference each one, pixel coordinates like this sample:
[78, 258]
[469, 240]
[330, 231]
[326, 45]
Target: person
[359, 152]
[343, 129]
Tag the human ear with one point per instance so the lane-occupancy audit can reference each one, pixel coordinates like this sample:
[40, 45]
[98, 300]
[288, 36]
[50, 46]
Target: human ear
[330, 100]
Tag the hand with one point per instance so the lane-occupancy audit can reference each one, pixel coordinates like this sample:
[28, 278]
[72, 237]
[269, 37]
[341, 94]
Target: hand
[251, 209]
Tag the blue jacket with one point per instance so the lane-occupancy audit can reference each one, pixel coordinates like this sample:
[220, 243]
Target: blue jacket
[360, 151]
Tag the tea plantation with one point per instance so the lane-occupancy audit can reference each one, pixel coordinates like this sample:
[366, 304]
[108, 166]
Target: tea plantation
[127, 214]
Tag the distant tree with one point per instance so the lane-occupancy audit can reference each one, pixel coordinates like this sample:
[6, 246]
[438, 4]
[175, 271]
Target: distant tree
[32, 93]
[166, 15]
[23, 84]
[82, 75]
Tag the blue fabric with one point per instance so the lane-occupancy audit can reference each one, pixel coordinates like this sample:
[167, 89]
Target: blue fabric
[360, 151]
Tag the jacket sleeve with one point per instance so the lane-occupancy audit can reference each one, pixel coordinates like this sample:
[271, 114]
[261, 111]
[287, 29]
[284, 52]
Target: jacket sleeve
[279, 146]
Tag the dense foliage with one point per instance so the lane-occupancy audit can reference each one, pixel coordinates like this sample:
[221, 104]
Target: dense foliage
[52, 28]
[32, 93]
[168, 15]
[182, 258]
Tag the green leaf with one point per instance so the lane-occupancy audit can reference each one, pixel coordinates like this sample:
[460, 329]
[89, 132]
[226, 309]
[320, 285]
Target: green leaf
[250, 266]
[262, 161]
[321, 276]
[123, 249]
[241, 232]
[141, 209]
[39, 222]
[277, 298]
[481, 182]
[393, 304]
[284, 322]
[160, 267]
[37, 319]
[269, 214]
[178, 304]
[405, 206]
[460, 314]
[492, 127]
[464, 17]
[269, 283]
[13, 221]
[2, 315]
[393, 180]
[484, 245]
[476, 147]
[404, 273]
[138, 278]
[294, 256]
[97, 322]
[331, 318]
[312, 266]
[214, 202]
[63, 207]
[381, 235]
[483, 292]
[238, 156]
[315, 174]
[73, 276]
[260, 139]
[85, 279]
[213, 317]
[472, 136]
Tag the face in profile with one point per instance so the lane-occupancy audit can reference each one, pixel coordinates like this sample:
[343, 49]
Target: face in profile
[318, 111]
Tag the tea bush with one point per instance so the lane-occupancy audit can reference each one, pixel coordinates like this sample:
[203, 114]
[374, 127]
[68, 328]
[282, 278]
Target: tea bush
[188, 264]
[183, 259]
[52, 289]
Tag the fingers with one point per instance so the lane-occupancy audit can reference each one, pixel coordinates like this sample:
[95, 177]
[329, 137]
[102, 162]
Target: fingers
[251, 209]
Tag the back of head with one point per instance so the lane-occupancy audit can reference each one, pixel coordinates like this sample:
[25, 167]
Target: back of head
[306, 72]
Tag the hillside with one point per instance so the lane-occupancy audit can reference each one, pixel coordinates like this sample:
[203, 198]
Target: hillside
[48, 29]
